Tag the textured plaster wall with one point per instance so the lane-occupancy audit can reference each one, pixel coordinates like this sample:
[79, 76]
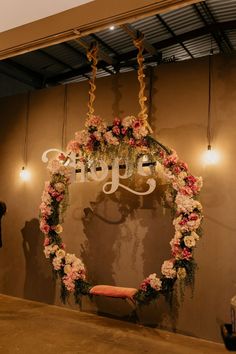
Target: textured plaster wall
[123, 237]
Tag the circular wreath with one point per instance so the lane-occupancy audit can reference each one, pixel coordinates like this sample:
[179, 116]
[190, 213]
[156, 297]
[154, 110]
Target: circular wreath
[99, 141]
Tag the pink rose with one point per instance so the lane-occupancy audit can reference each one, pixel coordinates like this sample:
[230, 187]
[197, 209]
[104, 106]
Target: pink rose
[46, 241]
[116, 130]
[131, 141]
[116, 121]
[124, 131]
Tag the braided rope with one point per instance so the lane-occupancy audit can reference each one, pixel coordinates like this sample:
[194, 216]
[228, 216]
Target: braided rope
[92, 57]
[138, 42]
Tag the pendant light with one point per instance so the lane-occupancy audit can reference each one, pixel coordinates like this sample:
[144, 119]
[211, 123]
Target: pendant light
[25, 173]
[210, 156]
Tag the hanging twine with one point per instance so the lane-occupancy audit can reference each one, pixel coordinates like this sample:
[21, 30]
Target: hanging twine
[92, 57]
[138, 42]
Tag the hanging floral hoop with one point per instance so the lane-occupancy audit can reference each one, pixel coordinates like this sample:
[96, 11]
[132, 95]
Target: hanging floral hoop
[99, 141]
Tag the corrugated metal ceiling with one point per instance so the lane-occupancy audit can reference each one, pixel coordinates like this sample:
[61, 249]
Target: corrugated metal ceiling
[190, 32]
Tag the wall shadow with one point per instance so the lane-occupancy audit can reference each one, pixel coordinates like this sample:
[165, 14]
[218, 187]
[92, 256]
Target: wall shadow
[127, 238]
[39, 283]
[116, 87]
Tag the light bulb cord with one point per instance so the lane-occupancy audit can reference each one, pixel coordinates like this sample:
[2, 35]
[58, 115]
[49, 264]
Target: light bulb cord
[209, 105]
[25, 152]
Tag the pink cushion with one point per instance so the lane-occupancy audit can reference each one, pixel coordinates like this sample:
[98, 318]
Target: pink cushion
[113, 291]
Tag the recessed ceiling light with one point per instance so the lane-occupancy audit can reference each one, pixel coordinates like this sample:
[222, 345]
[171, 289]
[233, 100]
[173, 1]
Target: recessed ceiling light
[112, 28]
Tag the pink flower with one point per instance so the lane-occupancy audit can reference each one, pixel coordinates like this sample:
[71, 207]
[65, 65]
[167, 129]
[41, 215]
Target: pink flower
[186, 191]
[176, 170]
[73, 146]
[45, 228]
[116, 130]
[136, 123]
[116, 121]
[62, 157]
[59, 198]
[124, 131]
[186, 254]
[46, 241]
[193, 216]
[170, 160]
[183, 166]
[131, 141]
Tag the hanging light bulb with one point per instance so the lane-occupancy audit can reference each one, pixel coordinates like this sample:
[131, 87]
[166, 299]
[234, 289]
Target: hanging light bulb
[24, 174]
[210, 156]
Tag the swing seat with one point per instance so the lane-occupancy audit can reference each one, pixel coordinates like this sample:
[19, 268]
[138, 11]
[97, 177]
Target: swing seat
[113, 291]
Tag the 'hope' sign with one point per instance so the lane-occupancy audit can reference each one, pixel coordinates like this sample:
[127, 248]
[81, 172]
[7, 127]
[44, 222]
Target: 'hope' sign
[111, 186]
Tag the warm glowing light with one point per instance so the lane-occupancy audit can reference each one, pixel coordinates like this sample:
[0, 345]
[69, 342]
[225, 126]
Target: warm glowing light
[211, 157]
[24, 174]
[112, 28]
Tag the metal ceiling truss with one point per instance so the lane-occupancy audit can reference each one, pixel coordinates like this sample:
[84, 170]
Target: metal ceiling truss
[110, 60]
[219, 35]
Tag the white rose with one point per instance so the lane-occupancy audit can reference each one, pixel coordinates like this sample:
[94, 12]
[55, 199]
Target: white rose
[59, 186]
[56, 263]
[60, 253]
[58, 229]
[77, 265]
[195, 235]
[168, 270]
[70, 258]
[189, 241]
[67, 269]
[155, 282]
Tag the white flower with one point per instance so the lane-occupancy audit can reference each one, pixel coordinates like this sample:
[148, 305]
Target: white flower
[58, 229]
[127, 121]
[59, 186]
[70, 258]
[78, 265]
[67, 268]
[181, 273]
[82, 137]
[155, 282]
[186, 204]
[195, 235]
[178, 235]
[140, 132]
[46, 198]
[189, 241]
[60, 253]
[50, 249]
[168, 270]
[110, 138]
[56, 263]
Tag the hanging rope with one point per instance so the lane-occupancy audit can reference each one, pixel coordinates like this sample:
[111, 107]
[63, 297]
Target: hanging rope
[138, 42]
[92, 57]
[64, 120]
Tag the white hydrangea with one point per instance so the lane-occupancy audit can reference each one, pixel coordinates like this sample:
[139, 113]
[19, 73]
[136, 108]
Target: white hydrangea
[56, 263]
[155, 282]
[186, 204]
[70, 258]
[168, 269]
[50, 249]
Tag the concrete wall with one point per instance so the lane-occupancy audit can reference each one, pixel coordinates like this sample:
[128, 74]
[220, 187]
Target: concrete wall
[122, 238]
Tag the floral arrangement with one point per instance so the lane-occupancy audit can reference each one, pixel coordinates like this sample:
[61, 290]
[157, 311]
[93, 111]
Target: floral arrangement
[67, 266]
[99, 140]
